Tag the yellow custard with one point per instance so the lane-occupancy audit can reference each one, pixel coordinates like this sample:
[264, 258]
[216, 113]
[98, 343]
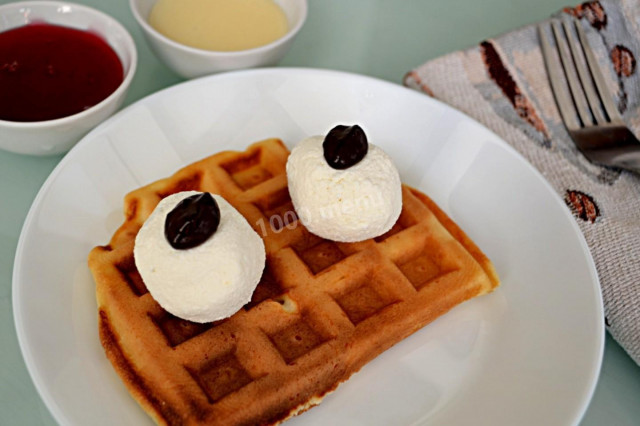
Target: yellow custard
[223, 25]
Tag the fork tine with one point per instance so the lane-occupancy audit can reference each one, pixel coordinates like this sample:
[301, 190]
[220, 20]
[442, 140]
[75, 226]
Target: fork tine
[594, 67]
[572, 79]
[556, 78]
[592, 97]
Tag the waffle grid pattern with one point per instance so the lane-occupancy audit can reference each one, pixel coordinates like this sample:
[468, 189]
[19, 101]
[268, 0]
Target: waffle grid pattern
[321, 311]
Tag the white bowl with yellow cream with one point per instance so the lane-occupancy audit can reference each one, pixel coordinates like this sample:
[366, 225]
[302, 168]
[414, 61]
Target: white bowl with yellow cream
[217, 44]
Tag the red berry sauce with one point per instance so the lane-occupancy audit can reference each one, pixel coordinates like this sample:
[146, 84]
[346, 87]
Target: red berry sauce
[49, 71]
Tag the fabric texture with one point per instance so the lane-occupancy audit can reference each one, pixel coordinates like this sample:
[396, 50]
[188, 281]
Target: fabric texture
[503, 84]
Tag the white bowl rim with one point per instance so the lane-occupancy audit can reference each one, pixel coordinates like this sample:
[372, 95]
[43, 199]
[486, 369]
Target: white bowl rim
[219, 53]
[126, 81]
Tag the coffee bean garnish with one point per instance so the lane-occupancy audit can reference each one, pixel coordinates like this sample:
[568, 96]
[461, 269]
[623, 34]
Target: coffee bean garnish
[345, 146]
[192, 221]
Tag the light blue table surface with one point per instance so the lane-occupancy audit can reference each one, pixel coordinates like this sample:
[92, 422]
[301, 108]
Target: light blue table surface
[380, 38]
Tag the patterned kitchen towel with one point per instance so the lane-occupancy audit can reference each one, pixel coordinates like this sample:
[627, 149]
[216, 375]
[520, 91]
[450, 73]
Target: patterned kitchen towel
[502, 83]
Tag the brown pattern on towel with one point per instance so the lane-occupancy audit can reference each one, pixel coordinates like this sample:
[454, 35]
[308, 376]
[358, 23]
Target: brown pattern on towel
[624, 64]
[582, 205]
[502, 77]
[593, 11]
[623, 60]
[412, 75]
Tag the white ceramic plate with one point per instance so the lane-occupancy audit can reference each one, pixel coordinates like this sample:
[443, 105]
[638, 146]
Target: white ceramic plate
[528, 354]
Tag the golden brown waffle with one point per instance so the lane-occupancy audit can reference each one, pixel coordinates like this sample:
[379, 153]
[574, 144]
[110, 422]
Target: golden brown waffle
[321, 311]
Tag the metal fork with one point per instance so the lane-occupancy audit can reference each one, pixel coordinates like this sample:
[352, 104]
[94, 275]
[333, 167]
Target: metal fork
[587, 107]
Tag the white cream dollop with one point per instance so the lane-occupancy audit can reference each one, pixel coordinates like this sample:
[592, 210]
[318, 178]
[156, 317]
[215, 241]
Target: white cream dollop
[354, 204]
[205, 283]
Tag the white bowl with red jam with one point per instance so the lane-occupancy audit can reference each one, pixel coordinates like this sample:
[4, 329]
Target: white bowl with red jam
[64, 68]
[200, 37]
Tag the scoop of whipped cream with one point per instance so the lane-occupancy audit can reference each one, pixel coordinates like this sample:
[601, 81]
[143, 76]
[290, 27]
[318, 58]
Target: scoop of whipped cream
[353, 204]
[205, 283]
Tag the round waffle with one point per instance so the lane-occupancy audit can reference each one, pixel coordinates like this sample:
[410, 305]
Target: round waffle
[320, 312]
